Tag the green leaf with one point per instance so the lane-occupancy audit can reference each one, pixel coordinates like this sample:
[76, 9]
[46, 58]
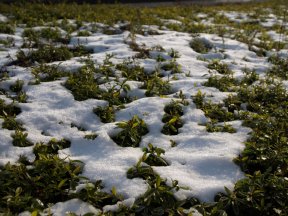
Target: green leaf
[61, 183]
[135, 125]
[158, 181]
[18, 191]
[121, 124]
[173, 120]
[114, 191]
[34, 213]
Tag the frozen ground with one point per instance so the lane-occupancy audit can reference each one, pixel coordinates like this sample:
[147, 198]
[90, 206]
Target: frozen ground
[201, 161]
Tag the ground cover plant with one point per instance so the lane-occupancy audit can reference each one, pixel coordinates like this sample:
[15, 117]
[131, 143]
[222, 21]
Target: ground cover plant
[121, 110]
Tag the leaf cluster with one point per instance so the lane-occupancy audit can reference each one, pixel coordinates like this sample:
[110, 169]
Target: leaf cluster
[131, 133]
[33, 185]
[173, 112]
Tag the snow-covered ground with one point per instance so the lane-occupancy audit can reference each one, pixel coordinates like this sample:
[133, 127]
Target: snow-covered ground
[201, 161]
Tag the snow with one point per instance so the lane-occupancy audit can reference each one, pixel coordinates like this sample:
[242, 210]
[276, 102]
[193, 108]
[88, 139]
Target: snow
[75, 206]
[276, 36]
[234, 16]
[201, 161]
[3, 18]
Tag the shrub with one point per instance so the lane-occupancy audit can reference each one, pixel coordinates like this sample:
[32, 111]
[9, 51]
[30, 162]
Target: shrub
[131, 133]
[83, 33]
[172, 119]
[156, 86]
[20, 139]
[172, 66]
[279, 68]
[10, 123]
[106, 114]
[201, 45]
[92, 194]
[91, 136]
[210, 127]
[44, 54]
[223, 83]
[152, 156]
[8, 109]
[217, 113]
[221, 68]
[83, 84]
[17, 86]
[51, 148]
[48, 180]
[6, 28]
[132, 72]
[46, 73]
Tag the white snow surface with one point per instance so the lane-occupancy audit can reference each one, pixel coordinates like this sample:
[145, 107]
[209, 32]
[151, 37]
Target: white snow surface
[3, 18]
[75, 206]
[201, 161]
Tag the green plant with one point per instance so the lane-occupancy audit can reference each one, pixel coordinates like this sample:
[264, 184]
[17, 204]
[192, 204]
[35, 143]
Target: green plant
[106, 114]
[131, 133]
[198, 99]
[21, 97]
[279, 68]
[8, 109]
[217, 113]
[83, 33]
[152, 156]
[44, 54]
[10, 123]
[221, 68]
[264, 100]
[142, 51]
[210, 127]
[17, 86]
[172, 119]
[132, 72]
[8, 42]
[159, 198]
[172, 124]
[200, 45]
[113, 94]
[91, 136]
[52, 34]
[232, 102]
[223, 83]
[92, 194]
[261, 105]
[160, 58]
[174, 107]
[252, 195]
[34, 38]
[80, 50]
[77, 126]
[7, 28]
[173, 143]
[250, 77]
[31, 38]
[172, 66]
[83, 84]
[156, 86]
[20, 139]
[48, 180]
[51, 148]
[46, 73]
[174, 53]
